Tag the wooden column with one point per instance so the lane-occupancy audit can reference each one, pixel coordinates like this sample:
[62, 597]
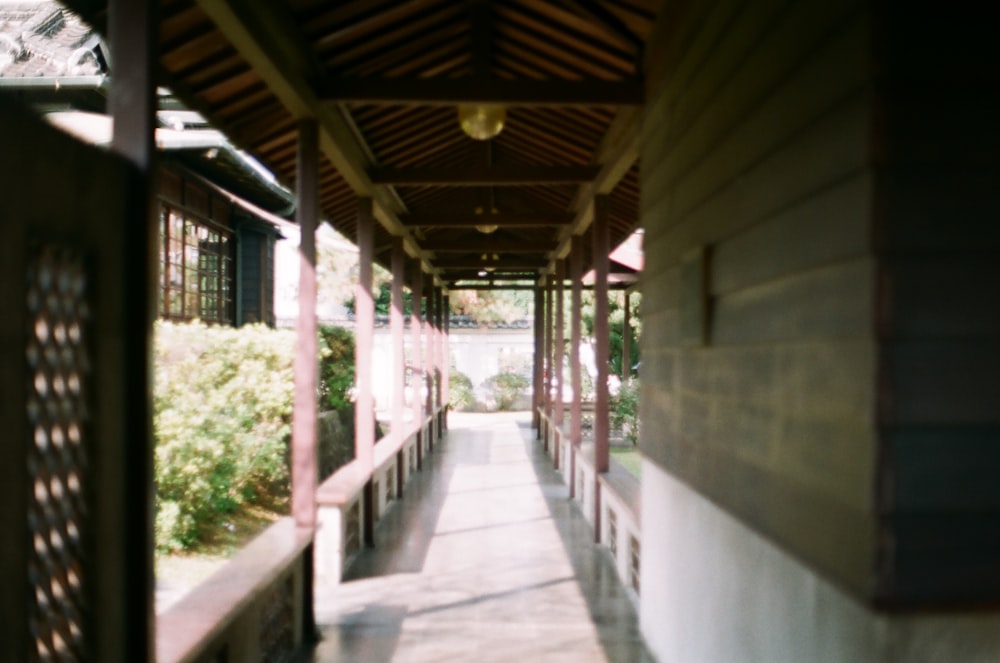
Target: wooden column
[539, 363]
[601, 331]
[627, 340]
[417, 356]
[576, 327]
[439, 368]
[547, 329]
[429, 357]
[125, 583]
[396, 327]
[304, 427]
[446, 354]
[558, 350]
[364, 331]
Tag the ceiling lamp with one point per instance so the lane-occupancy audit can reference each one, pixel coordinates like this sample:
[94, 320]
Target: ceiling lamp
[482, 122]
[487, 228]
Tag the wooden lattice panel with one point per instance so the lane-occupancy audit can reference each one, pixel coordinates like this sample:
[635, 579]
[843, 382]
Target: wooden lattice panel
[57, 461]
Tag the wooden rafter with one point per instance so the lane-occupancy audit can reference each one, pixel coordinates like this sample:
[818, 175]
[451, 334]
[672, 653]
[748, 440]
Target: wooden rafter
[451, 216]
[498, 175]
[487, 243]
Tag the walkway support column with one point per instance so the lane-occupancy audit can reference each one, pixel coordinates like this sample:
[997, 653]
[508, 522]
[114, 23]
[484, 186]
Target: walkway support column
[439, 367]
[539, 364]
[627, 339]
[429, 358]
[126, 563]
[398, 264]
[601, 350]
[364, 403]
[417, 357]
[576, 378]
[547, 325]
[305, 474]
[446, 354]
[558, 350]
[575, 333]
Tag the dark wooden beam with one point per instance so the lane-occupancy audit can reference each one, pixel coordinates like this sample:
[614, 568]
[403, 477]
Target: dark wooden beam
[452, 91]
[489, 286]
[505, 262]
[495, 175]
[454, 217]
[452, 275]
[487, 244]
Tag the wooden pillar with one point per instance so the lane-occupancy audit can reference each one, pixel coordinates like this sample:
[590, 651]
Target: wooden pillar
[446, 354]
[396, 327]
[547, 326]
[439, 368]
[539, 363]
[601, 331]
[417, 357]
[627, 340]
[558, 350]
[429, 357]
[304, 413]
[576, 332]
[125, 582]
[364, 402]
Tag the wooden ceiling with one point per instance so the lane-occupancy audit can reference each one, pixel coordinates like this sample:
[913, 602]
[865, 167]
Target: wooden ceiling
[383, 78]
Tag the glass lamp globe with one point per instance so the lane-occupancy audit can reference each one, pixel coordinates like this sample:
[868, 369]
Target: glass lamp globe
[482, 122]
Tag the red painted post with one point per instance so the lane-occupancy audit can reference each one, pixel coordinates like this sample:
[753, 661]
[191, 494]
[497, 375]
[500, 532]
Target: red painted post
[601, 331]
[304, 427]
[417, 357]
[398, 264]
[558, 350]
[446, 354]
[539, 364]
[364, 402]
[429, 359]
[547, 394]
[440, 368]
[627, 340]
[576, 327]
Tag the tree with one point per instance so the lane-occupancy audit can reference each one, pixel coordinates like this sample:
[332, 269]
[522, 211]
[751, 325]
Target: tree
[616, 320]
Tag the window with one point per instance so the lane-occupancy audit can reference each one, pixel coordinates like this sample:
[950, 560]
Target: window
[196, 275]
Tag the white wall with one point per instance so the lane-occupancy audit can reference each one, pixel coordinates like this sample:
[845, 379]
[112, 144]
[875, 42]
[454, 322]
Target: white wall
[715, 591]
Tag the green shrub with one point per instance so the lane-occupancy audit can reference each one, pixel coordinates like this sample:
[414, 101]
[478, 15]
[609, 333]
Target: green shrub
[505, 387]
[460, 394]
[222, 411]
[336, 367]
[624, 410]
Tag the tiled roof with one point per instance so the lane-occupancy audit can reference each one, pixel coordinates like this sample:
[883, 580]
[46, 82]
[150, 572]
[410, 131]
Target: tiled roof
[44, 39]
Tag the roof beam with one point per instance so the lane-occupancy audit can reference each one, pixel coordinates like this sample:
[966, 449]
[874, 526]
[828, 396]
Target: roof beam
[452, 91]
[507, 262]
[487, 244]
[453, 217]
[616, 153]
[496, 175]
[265, 35]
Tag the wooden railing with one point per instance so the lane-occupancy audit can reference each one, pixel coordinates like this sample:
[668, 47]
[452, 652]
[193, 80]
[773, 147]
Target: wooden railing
[254, 607]
[251, 609]
[340, 498]
[619, 502]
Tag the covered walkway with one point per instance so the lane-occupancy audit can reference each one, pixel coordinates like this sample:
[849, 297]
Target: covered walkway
[485, 558]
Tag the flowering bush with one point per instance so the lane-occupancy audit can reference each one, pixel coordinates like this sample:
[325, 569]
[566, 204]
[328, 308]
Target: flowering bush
[222, 412]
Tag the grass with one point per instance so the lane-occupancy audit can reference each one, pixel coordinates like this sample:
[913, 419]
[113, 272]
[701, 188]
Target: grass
[629, 458]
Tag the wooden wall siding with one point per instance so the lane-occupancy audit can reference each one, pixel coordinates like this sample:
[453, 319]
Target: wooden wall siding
[938, 239]
[756, 146]
[250, 244]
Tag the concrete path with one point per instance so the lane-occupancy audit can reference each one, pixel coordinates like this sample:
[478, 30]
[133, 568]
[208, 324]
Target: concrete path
[484, 559]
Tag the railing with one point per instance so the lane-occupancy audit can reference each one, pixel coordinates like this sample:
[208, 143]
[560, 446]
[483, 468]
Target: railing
[341, 503]
[254, 607]
[619, 501]
[251, 609]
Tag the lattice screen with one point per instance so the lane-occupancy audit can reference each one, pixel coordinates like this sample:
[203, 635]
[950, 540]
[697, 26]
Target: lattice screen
[56, 453]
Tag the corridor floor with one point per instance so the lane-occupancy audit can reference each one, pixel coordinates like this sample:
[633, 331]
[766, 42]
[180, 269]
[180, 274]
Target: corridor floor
[484, 559]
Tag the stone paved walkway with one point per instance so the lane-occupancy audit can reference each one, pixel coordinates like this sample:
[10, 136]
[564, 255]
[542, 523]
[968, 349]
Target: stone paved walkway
[484, 559]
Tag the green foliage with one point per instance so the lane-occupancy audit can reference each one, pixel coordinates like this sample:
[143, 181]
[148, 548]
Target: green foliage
[460, 394]
[616, 322]
[624, 410]
[505, 387]
[336, 367]
[222, 410]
